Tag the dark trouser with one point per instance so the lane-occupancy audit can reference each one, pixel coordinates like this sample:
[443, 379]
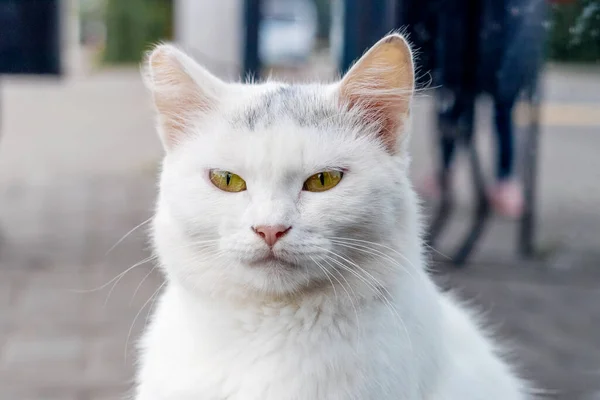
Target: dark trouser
[486, 46]
[505, 136]
[455, 121]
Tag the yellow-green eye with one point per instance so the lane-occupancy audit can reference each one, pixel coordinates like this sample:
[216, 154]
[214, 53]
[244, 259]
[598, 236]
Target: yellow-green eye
[323, 181]
[227, 181]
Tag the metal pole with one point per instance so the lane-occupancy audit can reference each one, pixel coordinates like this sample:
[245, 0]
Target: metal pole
[252, 17]
[527, 230]
[351, 34]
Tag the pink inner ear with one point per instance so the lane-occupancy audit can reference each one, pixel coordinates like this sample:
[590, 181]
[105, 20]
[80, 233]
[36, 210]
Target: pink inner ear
[177, 107]
[177, 96]
[384, 112]
[380, 86]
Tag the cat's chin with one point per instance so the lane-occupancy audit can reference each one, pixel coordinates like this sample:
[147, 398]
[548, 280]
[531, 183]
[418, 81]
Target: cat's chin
[275, 275]
[271, 261]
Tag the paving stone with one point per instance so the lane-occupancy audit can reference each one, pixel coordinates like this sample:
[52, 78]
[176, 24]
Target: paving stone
[20, 394]
[24, 351]
[108, 362]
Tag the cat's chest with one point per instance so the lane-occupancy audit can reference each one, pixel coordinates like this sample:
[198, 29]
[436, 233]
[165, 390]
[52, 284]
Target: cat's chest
[298, 366]
[289, 358]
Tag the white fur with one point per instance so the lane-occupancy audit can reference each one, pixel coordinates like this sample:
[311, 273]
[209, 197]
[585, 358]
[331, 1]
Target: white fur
[355, 318]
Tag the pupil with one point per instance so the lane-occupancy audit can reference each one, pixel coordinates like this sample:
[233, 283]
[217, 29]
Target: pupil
[322, 179]
[228, 178]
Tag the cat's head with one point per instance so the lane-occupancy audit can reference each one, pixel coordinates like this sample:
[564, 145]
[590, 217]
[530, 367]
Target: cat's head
[276, 188]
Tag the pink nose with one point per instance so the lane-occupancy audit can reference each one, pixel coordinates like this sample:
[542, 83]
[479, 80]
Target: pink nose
[271, 234]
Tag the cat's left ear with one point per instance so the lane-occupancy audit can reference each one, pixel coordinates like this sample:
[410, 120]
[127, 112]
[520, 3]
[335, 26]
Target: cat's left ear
[381, 86]
[184, 93]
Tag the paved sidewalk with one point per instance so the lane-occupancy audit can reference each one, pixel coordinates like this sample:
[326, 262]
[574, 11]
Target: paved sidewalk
[550, 318]
[77, 167]
[58, 339]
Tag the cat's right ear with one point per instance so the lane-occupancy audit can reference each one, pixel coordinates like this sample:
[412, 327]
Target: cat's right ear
[183, 92]
[380, 87]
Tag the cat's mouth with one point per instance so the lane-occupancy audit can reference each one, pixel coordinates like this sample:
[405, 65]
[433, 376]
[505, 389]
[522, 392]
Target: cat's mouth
[271, 260]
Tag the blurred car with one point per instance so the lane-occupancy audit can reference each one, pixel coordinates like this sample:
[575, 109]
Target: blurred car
[287, 32]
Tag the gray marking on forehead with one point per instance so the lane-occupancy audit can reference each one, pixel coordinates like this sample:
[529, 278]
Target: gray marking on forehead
[303, 104]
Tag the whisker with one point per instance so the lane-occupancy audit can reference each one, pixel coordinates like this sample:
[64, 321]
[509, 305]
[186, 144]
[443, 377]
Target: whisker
[326, 274]
[358, 267]
[355, 273]
[346, 290]
[136, 317]
[204, 256]
[126, 235]
[374, 252]
[140, 284]
[447, 257]
[376, 244]
[145, 260]
[152, 305]
[122, 274]
[306, 274]
[198, 245]
[374, 288]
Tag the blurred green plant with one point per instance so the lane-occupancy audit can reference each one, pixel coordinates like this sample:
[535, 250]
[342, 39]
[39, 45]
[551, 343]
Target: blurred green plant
[575, 31]
[132, 25]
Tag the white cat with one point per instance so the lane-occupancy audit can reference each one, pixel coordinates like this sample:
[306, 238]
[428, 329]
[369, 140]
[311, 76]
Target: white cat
[290, 238]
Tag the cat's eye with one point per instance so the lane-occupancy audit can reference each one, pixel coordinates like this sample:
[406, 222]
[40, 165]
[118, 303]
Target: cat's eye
[226, 180]
[323, 181]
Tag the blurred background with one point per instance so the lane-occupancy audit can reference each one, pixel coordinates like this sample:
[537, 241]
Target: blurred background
[79, 158]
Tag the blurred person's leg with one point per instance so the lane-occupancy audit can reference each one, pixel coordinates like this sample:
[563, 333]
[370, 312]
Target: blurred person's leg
[450, 49]
[507, 193]
[455, 112]
[505, 138]
[522, 35]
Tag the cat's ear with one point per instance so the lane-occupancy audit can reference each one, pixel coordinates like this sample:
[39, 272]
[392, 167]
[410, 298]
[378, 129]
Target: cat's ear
[381, 86]
[183, 91]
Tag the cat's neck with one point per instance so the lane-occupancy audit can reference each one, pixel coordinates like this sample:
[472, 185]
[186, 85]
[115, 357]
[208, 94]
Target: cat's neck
[263, 313]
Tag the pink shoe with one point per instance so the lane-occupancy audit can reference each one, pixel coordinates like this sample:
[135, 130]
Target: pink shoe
[507, 198]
